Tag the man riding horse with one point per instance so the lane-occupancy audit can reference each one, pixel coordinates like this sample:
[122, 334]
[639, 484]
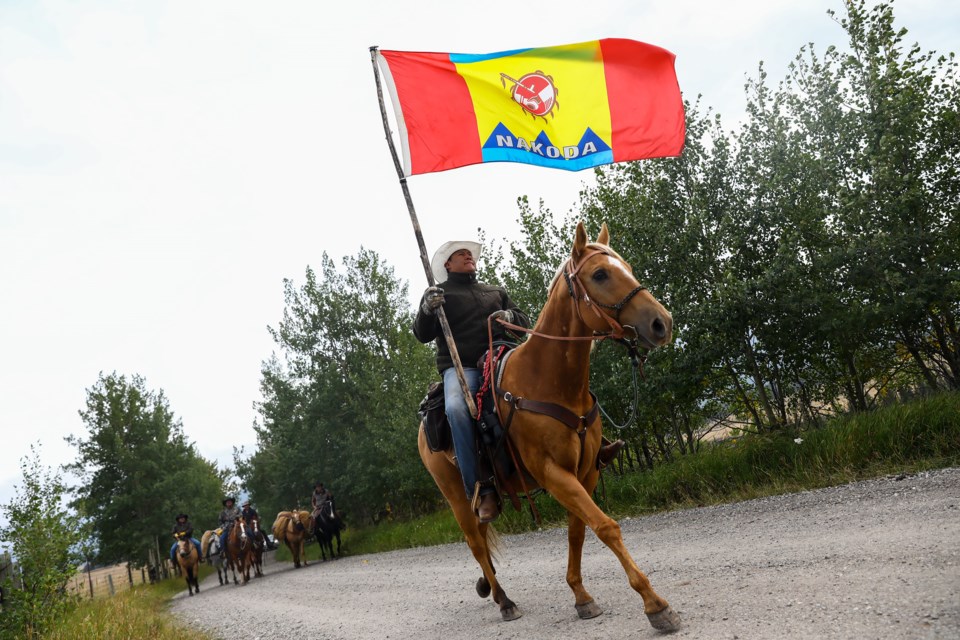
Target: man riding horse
[249, 515]
[228, 516]
[467, 304]
[183, 528]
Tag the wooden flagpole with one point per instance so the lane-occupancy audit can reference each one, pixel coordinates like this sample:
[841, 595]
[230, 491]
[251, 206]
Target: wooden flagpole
[441, 315]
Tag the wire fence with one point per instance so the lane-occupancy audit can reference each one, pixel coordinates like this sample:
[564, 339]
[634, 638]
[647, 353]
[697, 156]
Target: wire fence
[100, 582]
[109, 581]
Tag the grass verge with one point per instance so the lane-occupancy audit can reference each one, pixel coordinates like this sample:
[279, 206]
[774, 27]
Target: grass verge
[140, 612]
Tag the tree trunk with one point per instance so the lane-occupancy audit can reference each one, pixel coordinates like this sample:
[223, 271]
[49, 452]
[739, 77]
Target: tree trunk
[758, 382]
[743, 396]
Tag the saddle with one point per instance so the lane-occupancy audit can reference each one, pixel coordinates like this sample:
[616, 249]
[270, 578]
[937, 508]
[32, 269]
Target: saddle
[434, 417]
[496, 462]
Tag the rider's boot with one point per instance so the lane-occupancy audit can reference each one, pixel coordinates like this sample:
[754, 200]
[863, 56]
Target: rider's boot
[488, 510]
[608, 452]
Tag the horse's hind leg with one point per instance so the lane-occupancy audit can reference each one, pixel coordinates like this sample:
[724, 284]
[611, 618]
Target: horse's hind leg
[450, 483]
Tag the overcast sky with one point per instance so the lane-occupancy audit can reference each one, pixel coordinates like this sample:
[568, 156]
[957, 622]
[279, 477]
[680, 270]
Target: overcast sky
[165, 165]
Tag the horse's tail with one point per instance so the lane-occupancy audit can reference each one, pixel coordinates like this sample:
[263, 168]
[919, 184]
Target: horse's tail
[493, 543]
[205, 542]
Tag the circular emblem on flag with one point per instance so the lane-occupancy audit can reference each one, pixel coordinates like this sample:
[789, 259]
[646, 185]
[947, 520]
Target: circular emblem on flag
[535, 92]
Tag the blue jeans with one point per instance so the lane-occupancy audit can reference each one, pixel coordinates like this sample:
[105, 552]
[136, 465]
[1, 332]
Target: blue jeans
[462, 424]
[173, 549]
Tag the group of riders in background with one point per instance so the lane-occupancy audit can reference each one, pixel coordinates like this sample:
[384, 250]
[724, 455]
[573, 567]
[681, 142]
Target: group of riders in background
[321, 500]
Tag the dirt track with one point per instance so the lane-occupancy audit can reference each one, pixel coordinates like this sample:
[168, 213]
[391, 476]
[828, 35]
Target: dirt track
[875, 559]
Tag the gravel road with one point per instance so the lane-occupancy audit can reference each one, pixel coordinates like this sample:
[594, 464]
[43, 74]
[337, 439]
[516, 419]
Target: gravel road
[874, 559]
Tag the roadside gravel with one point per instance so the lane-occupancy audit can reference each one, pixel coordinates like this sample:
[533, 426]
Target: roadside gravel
[873, 559]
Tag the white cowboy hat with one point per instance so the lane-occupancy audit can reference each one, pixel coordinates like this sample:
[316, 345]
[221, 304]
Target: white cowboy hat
[446, 250]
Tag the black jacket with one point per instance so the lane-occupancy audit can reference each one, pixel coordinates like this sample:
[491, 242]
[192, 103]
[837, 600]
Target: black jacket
[467, 304]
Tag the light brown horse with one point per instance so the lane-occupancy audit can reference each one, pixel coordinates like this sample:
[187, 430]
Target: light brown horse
[188, 559]
[239, 550]
[293, 528]
[594, 292]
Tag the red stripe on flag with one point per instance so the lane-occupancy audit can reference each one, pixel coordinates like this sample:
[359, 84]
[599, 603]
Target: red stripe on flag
[437, 109]
[646, 109]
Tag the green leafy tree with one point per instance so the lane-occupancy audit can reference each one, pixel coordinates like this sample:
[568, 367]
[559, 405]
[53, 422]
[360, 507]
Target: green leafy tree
[339, 402]
[43, 536]
[884, 122]
[138, 470]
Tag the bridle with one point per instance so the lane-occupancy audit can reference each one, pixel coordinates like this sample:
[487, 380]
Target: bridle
[578, 291]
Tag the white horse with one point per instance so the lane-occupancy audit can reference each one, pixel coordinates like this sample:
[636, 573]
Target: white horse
[214, 554]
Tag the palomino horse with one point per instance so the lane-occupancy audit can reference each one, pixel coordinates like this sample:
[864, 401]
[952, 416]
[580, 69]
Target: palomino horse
[328, 526]
[213, 552]
[188, 559]
[293, 528]
[239, 549]
[545, 404]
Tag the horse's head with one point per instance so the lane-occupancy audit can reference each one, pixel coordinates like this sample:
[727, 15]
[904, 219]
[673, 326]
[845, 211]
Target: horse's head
[241, 524]
[184, 545]
[609, 298]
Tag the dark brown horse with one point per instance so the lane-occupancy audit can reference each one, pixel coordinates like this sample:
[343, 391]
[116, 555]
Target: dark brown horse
[256, 555]
[327, 526]
[293, 528]
[554, 429]
[188, 559]
[239, 550]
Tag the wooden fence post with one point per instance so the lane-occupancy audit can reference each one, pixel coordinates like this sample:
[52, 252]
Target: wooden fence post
[110, 582]
[130, 574]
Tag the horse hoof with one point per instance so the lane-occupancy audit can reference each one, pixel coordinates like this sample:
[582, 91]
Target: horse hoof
[483, 587]
[510, 612]
[191, 594]
[589, 610]
[666, 621]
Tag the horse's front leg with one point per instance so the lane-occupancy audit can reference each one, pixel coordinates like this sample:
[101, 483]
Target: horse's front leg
[568, 491]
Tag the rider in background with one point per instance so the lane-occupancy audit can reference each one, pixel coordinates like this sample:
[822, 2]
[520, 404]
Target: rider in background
[321, 495]
[228, 516]
[249, 515]
[183, 526]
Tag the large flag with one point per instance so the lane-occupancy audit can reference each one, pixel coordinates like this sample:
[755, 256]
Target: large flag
[568, 107]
